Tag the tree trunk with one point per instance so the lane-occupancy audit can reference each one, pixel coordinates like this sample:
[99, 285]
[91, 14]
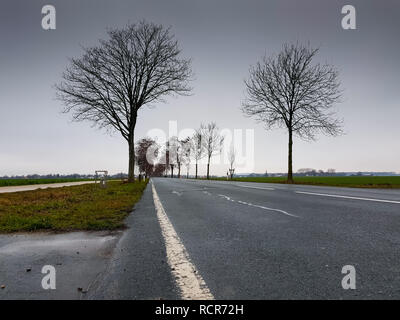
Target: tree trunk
[179, 171]
[131, 142]
[196, 171]
[131, 170]
[208, 169]
[172, 171]
[290, 157]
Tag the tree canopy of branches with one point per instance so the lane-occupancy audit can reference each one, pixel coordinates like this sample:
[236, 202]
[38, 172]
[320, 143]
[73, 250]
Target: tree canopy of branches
[289, 91]
[136, 66]
[212, 142]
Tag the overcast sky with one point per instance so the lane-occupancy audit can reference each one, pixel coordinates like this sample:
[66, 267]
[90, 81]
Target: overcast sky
[223, 38]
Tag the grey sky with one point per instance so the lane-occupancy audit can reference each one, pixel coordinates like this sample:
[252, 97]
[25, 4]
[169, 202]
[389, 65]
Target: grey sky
[223, 38]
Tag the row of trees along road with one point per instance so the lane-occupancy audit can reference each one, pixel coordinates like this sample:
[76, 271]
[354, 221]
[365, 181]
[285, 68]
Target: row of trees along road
[141, 64]
[155, 160]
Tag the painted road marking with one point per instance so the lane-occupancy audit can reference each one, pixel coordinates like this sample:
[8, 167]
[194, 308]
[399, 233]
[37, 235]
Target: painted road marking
[187, 278]
[347, 197]
[226, 197]
[251, 187]
[257, 206]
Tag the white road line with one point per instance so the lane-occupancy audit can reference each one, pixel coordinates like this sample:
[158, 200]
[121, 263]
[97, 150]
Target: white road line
[257, 206]
[226, 197]
[187, 278]
[277, 210]
[347, 197]
[251, 187]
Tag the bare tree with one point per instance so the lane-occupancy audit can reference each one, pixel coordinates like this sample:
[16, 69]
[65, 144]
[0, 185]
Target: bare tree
[212, 142]
[187, 154]
[172, 147]
[159, 170]
[136, 66]
[289, 91]
[197, 148]
[146, 151]
[231, 159]
[179, 155]
[167, 159]
[164, 159]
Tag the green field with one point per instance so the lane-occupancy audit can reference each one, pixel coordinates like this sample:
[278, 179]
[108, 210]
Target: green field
[83, 207]
[23, 182]
[351, 181]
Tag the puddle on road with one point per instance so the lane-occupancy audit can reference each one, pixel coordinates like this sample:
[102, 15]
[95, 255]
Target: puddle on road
[86, 242]
[80, 258]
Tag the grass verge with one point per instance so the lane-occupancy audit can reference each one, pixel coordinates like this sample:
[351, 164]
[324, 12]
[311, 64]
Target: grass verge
[23, 182]
[83, 207]
[353, 182]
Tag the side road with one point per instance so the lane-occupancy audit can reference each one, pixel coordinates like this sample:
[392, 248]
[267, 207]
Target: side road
[41, 186]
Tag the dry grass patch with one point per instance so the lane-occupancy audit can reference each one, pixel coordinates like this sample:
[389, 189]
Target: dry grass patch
[83, 207]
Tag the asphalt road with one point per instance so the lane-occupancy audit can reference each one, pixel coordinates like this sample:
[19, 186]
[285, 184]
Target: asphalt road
[265, 241]
[242, 240]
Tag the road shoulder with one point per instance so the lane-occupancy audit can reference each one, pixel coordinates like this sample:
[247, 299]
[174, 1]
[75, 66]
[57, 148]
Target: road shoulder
[138, 267]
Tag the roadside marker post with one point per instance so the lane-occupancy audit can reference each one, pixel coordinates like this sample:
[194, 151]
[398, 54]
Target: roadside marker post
[101, 175]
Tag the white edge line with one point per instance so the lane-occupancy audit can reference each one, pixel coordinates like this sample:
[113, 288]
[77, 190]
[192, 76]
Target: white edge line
[187, 278]
[347, 197]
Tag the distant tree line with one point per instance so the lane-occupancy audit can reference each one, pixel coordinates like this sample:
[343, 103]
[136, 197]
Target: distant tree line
[177, 155]
[63, 176]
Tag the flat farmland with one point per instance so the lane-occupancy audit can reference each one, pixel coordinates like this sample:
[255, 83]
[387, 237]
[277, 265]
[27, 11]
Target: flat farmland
[348, 181]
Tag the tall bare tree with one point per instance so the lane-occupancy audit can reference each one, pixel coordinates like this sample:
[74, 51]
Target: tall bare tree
[187, 154]
[171, 152]
[146, 151]
[291, 91]
[197, 147]
[212, 142]
[231, 159]
[179, 155]
[136, 66]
